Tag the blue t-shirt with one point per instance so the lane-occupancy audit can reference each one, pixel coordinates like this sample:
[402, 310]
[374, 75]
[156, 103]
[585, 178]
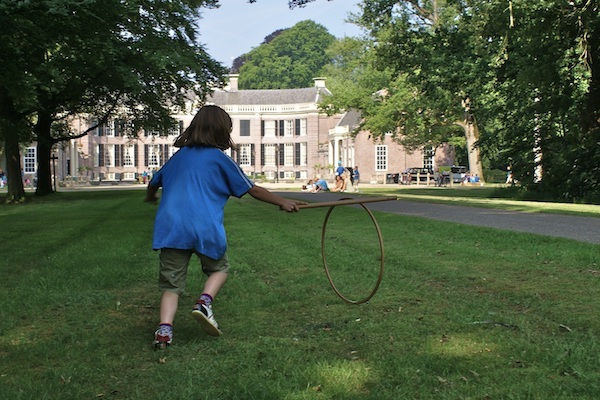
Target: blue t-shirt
[322, 183]
[340, 170]
[356, 174]
[196, 182]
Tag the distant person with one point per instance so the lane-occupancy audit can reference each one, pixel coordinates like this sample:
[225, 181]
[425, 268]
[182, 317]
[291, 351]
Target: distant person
[340, 169]
[338, 184]
[321, 186]
[309, 187]
[197, 182]
[356, 174]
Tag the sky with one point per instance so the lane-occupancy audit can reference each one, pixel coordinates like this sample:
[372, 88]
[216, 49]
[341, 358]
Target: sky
[237, 26]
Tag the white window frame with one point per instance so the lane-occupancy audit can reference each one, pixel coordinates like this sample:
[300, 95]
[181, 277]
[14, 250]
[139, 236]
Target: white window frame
[381, 157]
[109, 128]
[270, 125]
[288, 154]
[289, 175]
[428, 155]
[128, 176]
[245, 156]
[288, 128]
[109, 155]
[270, 154]
[303, 127]
[303, 154]
[30, 160]
[129, 155]
[154, 156]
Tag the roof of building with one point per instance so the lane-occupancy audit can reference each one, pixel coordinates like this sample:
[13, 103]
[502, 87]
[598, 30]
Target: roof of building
[269, 96]
[351, 119]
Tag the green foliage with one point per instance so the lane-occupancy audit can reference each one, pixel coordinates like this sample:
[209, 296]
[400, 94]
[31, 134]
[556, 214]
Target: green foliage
[526, 73]
[290, 60]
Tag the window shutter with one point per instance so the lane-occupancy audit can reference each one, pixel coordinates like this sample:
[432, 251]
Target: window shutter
[281, 128]
[297, 127]
[281, 154]
[237, 156]
[135, 155]
[262, 128]
[252, 155]
[167, 152]
[117, 155]
[296, 153]
[122, 155]
[101, 130]
[101, 155]
[116, 127]
[262, 154]
[180, 127]
[146, 155]
[297, 174]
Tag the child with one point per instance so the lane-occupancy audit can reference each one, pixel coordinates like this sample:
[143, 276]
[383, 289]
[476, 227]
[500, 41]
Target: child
[196, 182]
[356, 178]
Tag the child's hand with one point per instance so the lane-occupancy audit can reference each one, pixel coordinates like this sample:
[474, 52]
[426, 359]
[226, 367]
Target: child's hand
[291, 205]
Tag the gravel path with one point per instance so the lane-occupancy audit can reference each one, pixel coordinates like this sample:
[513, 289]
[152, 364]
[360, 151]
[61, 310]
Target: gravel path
[584, 229]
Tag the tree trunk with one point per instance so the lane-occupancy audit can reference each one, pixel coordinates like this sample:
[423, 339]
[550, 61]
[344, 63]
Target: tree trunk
[16, 192]
[472, 136]
[44, 150]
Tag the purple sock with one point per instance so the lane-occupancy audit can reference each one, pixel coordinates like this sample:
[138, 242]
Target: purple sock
[206, 299]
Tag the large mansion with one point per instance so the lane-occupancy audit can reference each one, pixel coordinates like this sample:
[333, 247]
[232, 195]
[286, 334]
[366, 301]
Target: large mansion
[280, 135]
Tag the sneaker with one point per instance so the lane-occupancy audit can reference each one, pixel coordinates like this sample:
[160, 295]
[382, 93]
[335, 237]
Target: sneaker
[163, 336]
[203, 314]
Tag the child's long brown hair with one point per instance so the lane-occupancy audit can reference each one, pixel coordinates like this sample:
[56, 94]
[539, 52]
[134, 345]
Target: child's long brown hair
[211, 126]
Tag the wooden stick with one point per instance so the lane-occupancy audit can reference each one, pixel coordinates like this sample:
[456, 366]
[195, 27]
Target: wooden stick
[347, 202]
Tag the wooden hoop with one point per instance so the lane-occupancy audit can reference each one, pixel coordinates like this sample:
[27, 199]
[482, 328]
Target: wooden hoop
[379, 277]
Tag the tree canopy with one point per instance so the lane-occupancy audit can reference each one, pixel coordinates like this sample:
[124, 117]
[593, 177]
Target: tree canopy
[291, 60]
[102, 58]
[522, 79]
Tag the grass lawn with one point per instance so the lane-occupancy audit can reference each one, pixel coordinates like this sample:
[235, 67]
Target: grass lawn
[462, 312]
[490, 196]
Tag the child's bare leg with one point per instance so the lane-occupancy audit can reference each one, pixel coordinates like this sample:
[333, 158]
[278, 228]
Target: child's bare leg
[168, 307]
[214, 283]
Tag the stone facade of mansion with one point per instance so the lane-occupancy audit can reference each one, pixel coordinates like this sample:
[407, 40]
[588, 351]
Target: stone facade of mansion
[280, 136]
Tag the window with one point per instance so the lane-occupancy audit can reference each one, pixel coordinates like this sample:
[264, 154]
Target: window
[109, 155]
[245, 156]
[303, 127]
[153, 155]
[289, 154]
[303, 156]
[29, 160]
[428, 153]
[129, 176]
[270, 154]
[245, 127]
[128, 155]
[381, 157]
[288, 128]
[109, 176]
[109, 129]
[270, 128]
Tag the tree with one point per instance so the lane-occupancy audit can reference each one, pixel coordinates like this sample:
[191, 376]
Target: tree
[68, 57]
[240, 60]
[430, 76]
[290, 60]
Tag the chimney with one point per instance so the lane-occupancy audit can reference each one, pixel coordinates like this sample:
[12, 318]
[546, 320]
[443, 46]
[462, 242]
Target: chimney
[319, 82]
[232, 85]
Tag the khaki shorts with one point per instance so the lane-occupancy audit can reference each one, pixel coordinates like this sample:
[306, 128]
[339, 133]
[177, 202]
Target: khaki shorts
[174, 265]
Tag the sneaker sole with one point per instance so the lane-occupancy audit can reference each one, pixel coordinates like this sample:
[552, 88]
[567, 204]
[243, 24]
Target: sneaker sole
[205, 323]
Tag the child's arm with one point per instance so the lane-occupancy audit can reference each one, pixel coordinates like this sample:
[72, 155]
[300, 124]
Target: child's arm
[262, 194]
[151, 194]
